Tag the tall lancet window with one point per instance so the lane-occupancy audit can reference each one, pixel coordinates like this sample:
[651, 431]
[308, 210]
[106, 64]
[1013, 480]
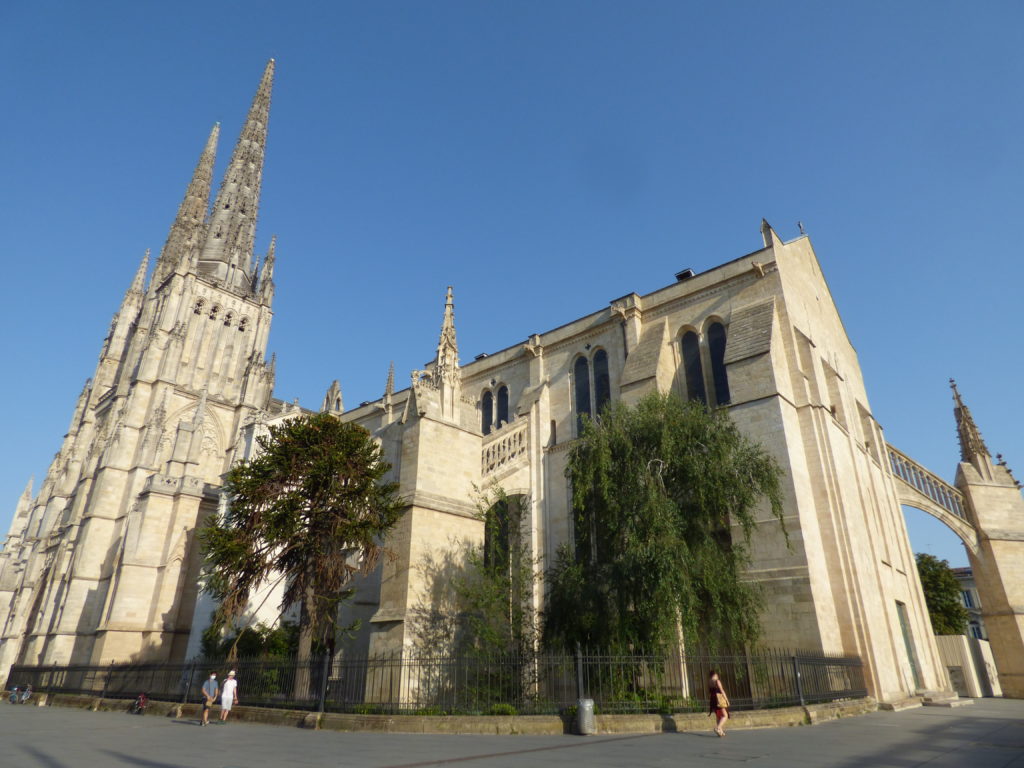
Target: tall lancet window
[503, 406]
[487, 413]
[692, 368]
[581, 386]
[716, 351]
[602, 384]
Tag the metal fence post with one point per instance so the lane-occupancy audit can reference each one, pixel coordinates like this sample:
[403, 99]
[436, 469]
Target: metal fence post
[325, 668]
[106, 680]
[796, 676]
[188, 685]
[579, 672]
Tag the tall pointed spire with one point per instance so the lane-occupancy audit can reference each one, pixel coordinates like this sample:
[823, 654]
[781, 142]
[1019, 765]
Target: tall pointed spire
[971, 444]
[447, 362]
[25, 502]
[231, 233]
[138, 286]
[187, 228]
[389, 388]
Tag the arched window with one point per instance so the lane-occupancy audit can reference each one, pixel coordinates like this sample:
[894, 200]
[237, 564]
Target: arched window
[199, 306]
[581, 376]
[692, 368]
[502, 406]
[602, 384]
[487, 413]
[716, 351]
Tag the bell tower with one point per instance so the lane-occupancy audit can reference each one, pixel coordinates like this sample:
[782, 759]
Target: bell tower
[104, 563]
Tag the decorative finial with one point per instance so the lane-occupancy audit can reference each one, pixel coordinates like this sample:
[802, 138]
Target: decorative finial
[138, 285]
[332, 399]
[971, 442]
[447, 361]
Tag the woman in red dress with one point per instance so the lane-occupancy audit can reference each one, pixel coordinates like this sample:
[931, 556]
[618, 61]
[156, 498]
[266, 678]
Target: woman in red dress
[718, 703]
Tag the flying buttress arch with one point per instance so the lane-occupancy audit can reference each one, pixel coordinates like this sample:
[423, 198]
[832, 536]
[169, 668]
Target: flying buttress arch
[917, 487]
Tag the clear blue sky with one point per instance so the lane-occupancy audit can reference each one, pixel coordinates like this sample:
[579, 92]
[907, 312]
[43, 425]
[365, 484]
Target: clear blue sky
[542, 157]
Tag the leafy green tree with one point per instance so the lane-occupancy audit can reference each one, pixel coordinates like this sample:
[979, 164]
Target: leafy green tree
[942, 595]
[310, 508]
[657, 490]
[256, 641]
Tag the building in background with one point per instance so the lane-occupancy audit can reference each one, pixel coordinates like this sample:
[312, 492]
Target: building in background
[971, 601]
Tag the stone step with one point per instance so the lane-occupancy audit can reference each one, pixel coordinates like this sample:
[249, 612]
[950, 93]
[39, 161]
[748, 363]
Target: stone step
[950, 702]
[911, 702]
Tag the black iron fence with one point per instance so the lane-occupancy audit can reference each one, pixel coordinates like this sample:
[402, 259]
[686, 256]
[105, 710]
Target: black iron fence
[540, 683]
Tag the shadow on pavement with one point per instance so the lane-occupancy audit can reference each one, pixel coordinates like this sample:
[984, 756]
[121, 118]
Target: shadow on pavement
[139, 761]
[43, 758]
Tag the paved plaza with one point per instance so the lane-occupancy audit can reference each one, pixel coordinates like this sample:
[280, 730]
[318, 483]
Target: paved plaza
[989, 734]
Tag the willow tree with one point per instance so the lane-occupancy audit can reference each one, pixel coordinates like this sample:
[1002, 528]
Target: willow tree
[310, 510]
[665, 496]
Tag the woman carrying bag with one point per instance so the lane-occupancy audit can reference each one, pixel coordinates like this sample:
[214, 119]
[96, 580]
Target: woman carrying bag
[718, 703]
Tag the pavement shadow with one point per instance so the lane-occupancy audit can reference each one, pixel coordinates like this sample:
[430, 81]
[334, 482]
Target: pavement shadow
[42, 758]
[136, 760]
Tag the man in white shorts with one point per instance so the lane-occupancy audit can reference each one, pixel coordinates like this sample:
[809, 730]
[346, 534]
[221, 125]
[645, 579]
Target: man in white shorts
[228, 696]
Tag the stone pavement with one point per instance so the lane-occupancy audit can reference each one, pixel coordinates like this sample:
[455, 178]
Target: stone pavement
[989, 734]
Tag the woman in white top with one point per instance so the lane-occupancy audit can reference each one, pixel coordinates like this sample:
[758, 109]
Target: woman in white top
[228, 695]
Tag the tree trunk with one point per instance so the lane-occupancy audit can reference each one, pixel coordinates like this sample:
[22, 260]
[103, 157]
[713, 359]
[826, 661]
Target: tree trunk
[303, 677]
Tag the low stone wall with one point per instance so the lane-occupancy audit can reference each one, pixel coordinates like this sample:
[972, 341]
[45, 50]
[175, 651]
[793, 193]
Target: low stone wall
[481, 725]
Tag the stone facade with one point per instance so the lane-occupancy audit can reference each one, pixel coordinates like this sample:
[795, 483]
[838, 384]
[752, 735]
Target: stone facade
[846, 579]
[103, 563]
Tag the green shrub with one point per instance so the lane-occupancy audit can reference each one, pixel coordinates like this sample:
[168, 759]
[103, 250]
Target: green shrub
[502, 709]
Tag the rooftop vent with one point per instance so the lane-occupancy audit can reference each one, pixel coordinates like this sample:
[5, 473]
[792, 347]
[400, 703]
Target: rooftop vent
[685, 274]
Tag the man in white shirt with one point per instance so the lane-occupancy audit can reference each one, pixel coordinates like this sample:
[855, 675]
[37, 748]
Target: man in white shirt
[228, 696]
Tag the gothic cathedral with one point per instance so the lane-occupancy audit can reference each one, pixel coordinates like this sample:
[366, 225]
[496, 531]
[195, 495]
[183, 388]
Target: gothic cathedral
[103, 564]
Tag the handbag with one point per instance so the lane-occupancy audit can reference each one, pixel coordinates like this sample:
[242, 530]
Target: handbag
[721, 701]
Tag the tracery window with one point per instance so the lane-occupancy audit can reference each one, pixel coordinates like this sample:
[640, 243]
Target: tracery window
[502, 406]
[692, 368]
[716, 353]
[487, 413]
[581, 386]
[602, 383]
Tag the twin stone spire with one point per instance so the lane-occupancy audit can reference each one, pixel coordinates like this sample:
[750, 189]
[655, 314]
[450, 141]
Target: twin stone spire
[219, 243]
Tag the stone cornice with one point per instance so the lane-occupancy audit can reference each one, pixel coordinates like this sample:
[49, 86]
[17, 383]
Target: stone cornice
[437, 503]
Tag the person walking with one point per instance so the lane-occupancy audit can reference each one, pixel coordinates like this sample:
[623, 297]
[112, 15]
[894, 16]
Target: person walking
[718, 703]
[210, 691]
[228, 696]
